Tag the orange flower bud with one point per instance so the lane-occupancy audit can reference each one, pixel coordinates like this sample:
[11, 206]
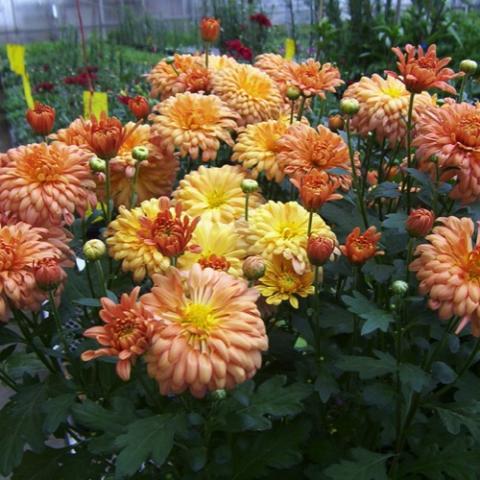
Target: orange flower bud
[253, 267]
[106, 136]
[209, 29]
[48, 274]
[420, 222]
[360, 247]
[335, 122]
[319, 250]
[316, 188]
[139, 107]
[41, 118]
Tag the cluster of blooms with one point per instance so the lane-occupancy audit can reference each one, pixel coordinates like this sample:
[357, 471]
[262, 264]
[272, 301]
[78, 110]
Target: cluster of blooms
[261, 19]
[214, 249]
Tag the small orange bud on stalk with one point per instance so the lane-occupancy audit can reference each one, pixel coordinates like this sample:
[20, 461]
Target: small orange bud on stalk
[48, 274]
[41, 118]
[139, 107]
[420, 222]
[335, 122]
[360, 247]
[209, 29]
[319, 250]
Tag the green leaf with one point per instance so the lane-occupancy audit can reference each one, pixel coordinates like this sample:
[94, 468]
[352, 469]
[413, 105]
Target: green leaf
[57, 410]
[413, 376]
[146, 438]
[20, 363]
[365, 465]
[367, 367]
[376, 319]
[443, 373]
[386, 190]
[395, 221]
[325, 385]
[380, 273]
[88, 302]
[456, 416]
[278, 448]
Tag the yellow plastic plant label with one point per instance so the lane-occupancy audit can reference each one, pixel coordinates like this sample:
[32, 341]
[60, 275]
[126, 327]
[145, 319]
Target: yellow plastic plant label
[94, 103]
[16, 58]
[27, 90]
[289, 48]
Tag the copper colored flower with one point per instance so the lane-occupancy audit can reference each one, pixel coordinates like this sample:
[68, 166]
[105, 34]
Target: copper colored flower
[106, 136]
[421, 70]
[277, 68]
[312, 78]
[169, 231]
[48, 273]
[316, 188]
[41, 118]
[127, 332]
[209, 29]
[139, 107]
[319, 250]
[335, 122]
[360, 247]
[210, 334]
[420, 222]
[448, 269]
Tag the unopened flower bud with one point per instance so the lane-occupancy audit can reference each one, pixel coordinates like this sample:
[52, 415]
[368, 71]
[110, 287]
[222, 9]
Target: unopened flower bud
[468, 66]
[139, 107]
[209, 29]
[170, 60]
[293, 93]
[140, 153]
[41, 118]
[319, 250]
[399, 287]
[249, 185]
[253, 267]
[98, 165]
[335, 122]
[48, 274]
[419, 222]
[350, 106]
[94, 249]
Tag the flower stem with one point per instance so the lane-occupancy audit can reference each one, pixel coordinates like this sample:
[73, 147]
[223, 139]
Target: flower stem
[101, 278]
[58, 323]
[292, 111]
[409, 147]
[462, 89]
[315, 281]
[207, 47]
[134, 195]
[302, 106]
[310, 221]
[108, 191]
[246, 205]
[411, 243]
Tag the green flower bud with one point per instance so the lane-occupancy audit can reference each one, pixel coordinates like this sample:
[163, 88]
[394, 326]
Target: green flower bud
[170, 60]
[468, 66]
[350, 106]
[219, 394]
[293, 93]
[140, 153]
[249, 186]
[94, 249]
[399, 287]
[98, 165]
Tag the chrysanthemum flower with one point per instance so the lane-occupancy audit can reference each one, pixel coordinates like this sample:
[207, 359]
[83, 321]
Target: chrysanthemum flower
[451, 134]
[156, 175]
[127, 332]
[142, 238]
[421, 70]
[249, 92]
[210, 334]
[316, 188]
[360, 247]
[215, 193]
[281, 282]
[256, 148]
[304, 148]
[22, 247]
[448, 268]
[312, 78]
[278, 228]
[46, 184]
[197, 79]
[219, 62]
[220, 247]
[194, 124]
[384, 107]
[277, 68]
[209, 29]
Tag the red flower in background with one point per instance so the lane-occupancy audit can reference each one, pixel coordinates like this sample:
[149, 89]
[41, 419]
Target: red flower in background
[44, 87]
[124, 99]
[261, 19]
[239, 50]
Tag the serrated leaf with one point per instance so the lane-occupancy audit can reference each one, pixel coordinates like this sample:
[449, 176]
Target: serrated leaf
[456, 416]
[380, 273]
[443, 373]
[146, 438]
[57, 410]
[413, 376]
[395, 221]
[325, 385]
[386, 190]
[420, 177]
[376, 319]
[367, 367]
[278, 448]
[365, 465]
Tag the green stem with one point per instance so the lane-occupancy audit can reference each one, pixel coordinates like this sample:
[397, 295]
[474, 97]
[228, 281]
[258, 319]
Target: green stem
[108, 191]
[292, 111]
[310, 221]
[58, 322]
[411, 244]
[207, 48]
[462, 88]
[246, 205]
[409, 147]
[8, 381]
[134, 196]
[302, 106]
[315, 281]
[101, 278]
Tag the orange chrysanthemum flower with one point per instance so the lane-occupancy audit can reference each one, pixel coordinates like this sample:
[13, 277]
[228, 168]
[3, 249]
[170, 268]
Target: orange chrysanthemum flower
[448, 268]
[312, 78]
[210, 333]
[277, 68]
[421, 70]
[127, 332]
[304, 148]
[256, 148]
[155, 176]
[451, 134]
[249, 92]
[360, 247]
[41, 118]
[22, 248]
[46, 184]
[139, 107]
[194, 124]
[384, 107]
[316, 188]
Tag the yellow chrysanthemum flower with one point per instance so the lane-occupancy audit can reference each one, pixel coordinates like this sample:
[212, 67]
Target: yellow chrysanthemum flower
[256, 148]
[215, 193]
[222, 248]
[278, 228]
[281, 282]
[194, 124]
[127, 244]
[219, 62]
[248, 91]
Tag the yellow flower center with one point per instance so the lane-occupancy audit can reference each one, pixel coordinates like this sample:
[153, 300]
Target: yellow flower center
[216, 198]
[287, 283]
[125, 326]
[253, 87]
[199, 316]
[393, 91]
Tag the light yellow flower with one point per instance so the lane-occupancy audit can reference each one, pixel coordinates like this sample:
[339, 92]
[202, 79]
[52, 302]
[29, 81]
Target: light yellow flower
[281, 282]
[215, 193]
